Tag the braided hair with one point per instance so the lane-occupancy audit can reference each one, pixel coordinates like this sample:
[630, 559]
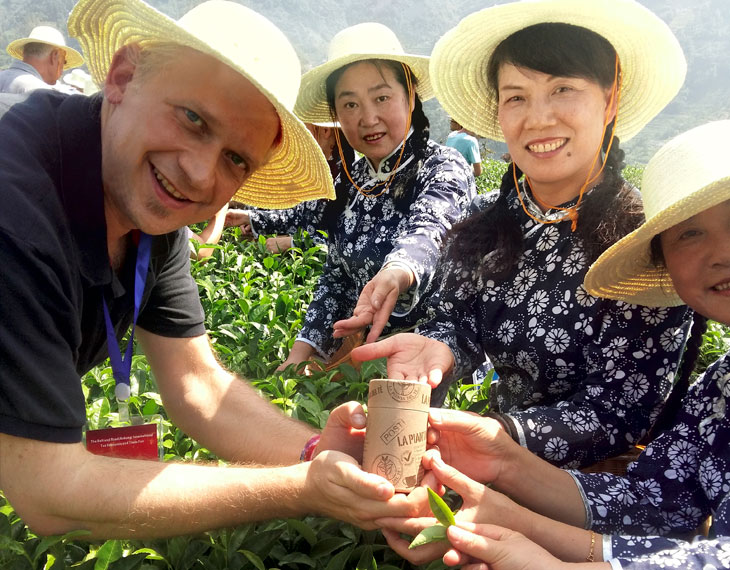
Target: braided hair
[610, 211]
[402, 186]
[666, 418]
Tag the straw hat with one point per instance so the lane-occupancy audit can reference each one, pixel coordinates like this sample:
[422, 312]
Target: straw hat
[77, 78]
[689, 174]
[356, 43]
[245, 41]
[652, 62]
[49, 36]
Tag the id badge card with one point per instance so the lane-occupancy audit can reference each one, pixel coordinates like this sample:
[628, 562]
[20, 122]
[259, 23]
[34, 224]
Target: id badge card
[142, 439]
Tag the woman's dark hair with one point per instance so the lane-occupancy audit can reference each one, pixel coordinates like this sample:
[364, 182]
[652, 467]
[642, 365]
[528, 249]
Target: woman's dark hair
[607, 213]
[402, 185]
[666, 418]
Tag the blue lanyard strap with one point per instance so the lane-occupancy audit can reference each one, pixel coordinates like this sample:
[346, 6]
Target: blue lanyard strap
[121, 367]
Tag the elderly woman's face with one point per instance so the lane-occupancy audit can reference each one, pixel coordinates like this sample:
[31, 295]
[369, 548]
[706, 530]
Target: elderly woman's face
[373, 109]
[553, 126]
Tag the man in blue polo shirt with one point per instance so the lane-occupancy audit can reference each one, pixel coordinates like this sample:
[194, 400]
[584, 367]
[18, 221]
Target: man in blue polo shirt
[96, 194]
[467, 144]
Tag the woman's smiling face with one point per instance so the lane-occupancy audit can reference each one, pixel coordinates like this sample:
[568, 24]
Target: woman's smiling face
[697, 256]
[553, 127]
[373, 109]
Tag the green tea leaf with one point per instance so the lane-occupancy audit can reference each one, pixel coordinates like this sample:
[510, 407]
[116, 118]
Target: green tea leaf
[433, 533]
[440, 509]
[366, 562]
[253, 559]
[339, 560]
[304, 530]
[109, 552]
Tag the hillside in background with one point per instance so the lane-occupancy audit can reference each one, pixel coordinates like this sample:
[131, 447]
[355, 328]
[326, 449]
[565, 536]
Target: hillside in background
[701, 27]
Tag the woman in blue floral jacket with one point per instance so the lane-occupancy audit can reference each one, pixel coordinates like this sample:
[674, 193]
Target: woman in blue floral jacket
[394, 206]
[681, 254]
[580, 378]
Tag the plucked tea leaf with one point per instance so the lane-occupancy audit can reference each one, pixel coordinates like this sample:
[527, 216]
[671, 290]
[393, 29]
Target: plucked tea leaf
[440, 509]
[429, 534]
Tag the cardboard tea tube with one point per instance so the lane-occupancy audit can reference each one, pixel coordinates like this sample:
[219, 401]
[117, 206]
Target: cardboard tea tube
[395, 439]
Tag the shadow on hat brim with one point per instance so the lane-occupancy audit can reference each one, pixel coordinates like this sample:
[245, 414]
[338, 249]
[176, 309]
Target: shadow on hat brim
[296, 170]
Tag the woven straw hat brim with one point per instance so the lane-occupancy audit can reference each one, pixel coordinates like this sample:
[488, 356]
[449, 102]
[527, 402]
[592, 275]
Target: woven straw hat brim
[312, 104]
[73, 58]
[652, 61]
[296, 170]
[688, 175]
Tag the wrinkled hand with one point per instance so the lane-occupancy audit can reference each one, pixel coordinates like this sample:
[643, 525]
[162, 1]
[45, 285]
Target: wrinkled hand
[375, 304]
[237, 218]
[336, 487]
[410, 357]
[489, 547]
[344, 431]
[475, 445]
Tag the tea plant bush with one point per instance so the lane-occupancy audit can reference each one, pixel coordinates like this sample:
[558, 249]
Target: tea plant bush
[254, 303]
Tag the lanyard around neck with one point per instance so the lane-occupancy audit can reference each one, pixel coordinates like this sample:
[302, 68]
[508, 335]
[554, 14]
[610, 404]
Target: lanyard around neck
[121, 367]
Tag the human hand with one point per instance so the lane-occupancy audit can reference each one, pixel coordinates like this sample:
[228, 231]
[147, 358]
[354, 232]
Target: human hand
[237, 218]
[479, 504]
[344, 431]
[375, 304]
[410, 357]
[277, 244]
[475, 445]
[337, 487]
[300, 353]
[490, 547]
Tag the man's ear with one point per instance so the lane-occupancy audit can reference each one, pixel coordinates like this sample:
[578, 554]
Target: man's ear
[56, 62]
[121, 72]
[55, 55]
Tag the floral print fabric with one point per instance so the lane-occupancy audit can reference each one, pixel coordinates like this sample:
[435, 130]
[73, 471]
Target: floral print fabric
[579, 377]
[682, 477]
[373, 231]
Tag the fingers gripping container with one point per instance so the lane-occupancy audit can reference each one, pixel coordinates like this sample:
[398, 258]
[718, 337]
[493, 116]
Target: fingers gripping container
[395, 439]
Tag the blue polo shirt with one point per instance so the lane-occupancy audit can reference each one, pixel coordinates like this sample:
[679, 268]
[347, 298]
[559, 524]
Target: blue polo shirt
[55, 266]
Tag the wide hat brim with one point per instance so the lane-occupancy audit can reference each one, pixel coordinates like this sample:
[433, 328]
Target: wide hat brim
[312, 104]
[688, 175]
[73, 58]
[652, 62]
[296, 170]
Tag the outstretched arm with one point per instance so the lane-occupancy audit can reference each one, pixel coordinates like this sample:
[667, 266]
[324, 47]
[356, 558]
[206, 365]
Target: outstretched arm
[376, 302]
[219, 410]
[490, 547]
[210, 234]
[57, 488]
[410, 357]
[479, 447]
[484, 505]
